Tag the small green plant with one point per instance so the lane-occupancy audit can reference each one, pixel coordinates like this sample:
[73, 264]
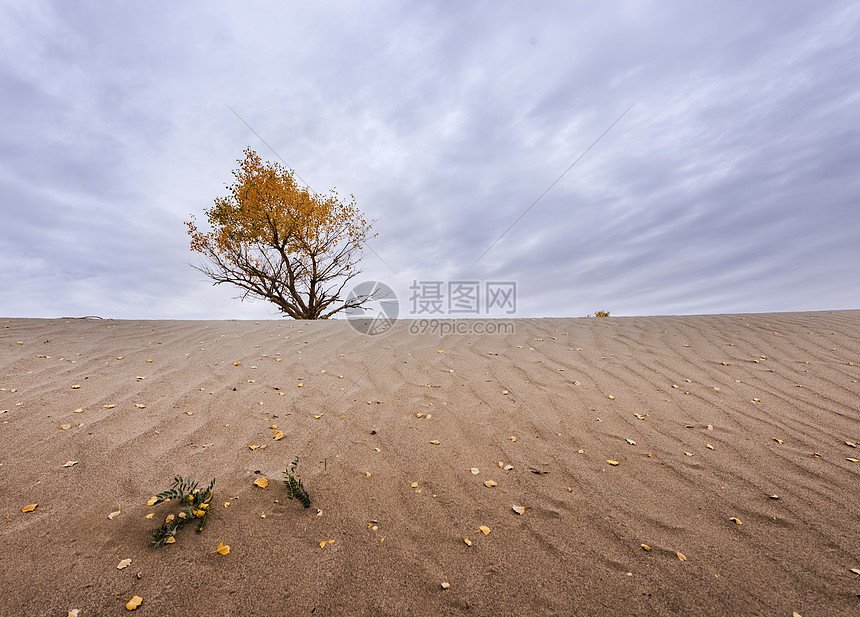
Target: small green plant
[295, 488]
[194, 505]
[602, 314]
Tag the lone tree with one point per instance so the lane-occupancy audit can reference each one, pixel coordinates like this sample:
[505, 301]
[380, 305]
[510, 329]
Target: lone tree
[282, 242]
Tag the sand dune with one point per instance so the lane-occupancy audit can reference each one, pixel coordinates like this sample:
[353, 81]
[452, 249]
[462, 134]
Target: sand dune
[710, 418]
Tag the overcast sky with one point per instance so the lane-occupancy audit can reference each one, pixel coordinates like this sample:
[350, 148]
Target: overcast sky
[731, 185]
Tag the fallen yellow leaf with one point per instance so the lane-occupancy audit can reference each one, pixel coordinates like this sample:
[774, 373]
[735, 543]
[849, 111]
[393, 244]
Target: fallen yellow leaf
[856, 571]
[261, 482]
[485, 530]
[446, 584]
[75, 612]
[512, 438]
[152, 501]
[30, 508]
[434, 442]
[278, 435]
[113, 515]
[368, 474]
[76, 387]
[414, 485]
[71, 464]
[65, 427]
[169, 518]
[645, 547]
[318, 416]
[222, 549]
[736, 521]
[150, 515]
[681, 556]
[170, 540]
[123, 564]
[253, 446]
[324, 542]
[612, 462]
[467, 541]
[140, 405]
[490, 483]
[630, 441]
[134, 602]
[519, 509]
[475, 470]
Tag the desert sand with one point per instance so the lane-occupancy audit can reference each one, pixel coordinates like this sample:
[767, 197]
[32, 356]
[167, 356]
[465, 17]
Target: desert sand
[732, 436]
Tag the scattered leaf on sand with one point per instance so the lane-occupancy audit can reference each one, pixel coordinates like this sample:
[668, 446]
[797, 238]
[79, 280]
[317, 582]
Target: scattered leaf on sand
[317, 416]
[490, 483]
[709, 446]
[152, 501]
[367, 474]
[475, 471]
[113, 515]
[123, 564]
[736, 521]
[796, 614]
[519, 510]
[612, 462]
[645, 547]
[237, 364]
[261, 482]
[150, 515]
[78, 410]
[414, 485]
[446, 585]
[222, 549]
[467, 541]
[324, 542]
[610, 397]
[434, 442]
[777, 440]
[65, 427]
[508, 467]
[630, 441]
[169, 518]
[856, 571]
[76, 387]
[681, 556]
[75, 612]
[512, 438]
[170, 540]
[108, 406]
[30, 508]
[134, 602]
[853, 460]
[71, 464]
[278, 435]
[253, 446]
[485, 530]
[140, 405]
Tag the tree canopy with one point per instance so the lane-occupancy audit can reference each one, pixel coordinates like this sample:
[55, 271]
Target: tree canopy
[279, 241]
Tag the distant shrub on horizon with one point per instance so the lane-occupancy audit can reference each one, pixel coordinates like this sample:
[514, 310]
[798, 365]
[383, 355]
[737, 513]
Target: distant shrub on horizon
[602, 314]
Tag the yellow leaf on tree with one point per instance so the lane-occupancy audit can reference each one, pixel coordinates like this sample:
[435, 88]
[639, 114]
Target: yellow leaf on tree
[261, 482]
[30, 508]
[222, 549]
[485, 530]
[134, 602]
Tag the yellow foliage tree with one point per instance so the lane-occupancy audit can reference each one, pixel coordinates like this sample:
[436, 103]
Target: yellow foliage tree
[282, 242]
